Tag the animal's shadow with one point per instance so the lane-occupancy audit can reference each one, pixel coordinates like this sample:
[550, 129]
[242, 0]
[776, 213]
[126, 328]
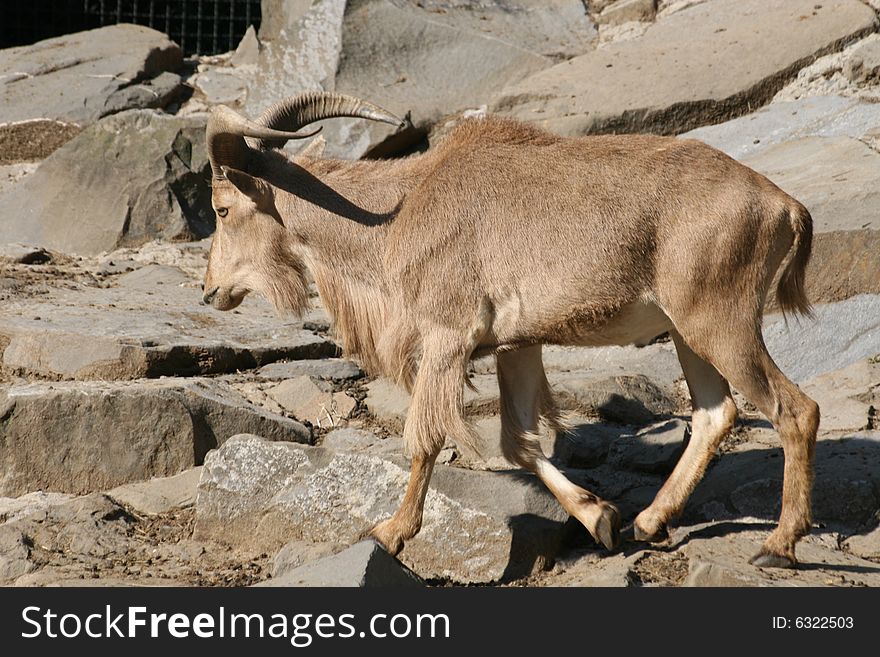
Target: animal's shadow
[743, 483]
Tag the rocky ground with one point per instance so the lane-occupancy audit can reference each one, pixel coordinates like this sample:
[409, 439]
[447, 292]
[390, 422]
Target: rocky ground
[147, 439]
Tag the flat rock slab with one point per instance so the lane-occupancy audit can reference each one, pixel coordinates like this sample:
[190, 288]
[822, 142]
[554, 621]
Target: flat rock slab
[478, 526]
[84, 76]
[718, 556]
[841, 334]
[148, 178]
[365, 564]
[706, 63]
[82, 437]
[816, 116]
[159, 494]
[149, 324]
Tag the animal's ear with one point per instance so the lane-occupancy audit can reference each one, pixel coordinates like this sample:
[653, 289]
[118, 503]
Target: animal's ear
[315, 148]
[254, 188]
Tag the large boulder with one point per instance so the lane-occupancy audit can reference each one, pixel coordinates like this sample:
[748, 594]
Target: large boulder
[427, 59]
[130, 178]
[84, 76]
[82, 437]
[701, 65]
[478, 526]
[89, 333]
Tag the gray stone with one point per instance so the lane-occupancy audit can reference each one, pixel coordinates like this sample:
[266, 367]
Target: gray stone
[296, 553]
[841, 334]
[478, 526]
[350, 440]
[365, 564]
[160, 494]
[23, 254]
[16, 508]
[148, 179]
[84, 76]
[846, 396]
[719, 557]
[654, 450]
[309, 403]
[778, 122]
[14, 554]
[865, 545]
[81, 437]
[625, 399]
[705, 64]
[624, 11]
[331, 369]
[88, 333]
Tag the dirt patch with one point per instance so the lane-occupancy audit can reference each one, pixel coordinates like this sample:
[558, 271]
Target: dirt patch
[660, 569]
[31, 141]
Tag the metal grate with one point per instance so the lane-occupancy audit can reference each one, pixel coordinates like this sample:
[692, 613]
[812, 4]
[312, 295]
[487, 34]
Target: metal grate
[205, 27]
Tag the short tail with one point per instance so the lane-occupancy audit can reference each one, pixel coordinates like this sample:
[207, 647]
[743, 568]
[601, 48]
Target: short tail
[790, 293]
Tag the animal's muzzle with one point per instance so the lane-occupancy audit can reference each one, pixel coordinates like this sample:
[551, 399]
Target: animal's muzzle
[208, 297]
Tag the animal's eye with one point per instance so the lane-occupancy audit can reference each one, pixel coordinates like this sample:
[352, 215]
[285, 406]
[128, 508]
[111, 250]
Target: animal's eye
[222, 212]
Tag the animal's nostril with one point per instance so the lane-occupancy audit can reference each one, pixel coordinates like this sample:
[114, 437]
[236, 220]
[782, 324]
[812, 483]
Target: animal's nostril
[209, 297]
[203, 287]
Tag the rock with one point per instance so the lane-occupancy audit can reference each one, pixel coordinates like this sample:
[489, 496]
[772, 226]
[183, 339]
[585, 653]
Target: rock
[478, 526]
[846, 396]
[330, 369]
[719, 555]
[160, 494]
[779, 122]
[830, 175]
[350, 440]
[81, 437]
[654, 450]
[14, 554]
[365, 564]
[843, 333]
[307, 402]
[624, 11]
[748, 480]
[865, 545]
[84, 76]
[149, 180]
[296, 553]
[16, 508]
[88, 333]
[624, 399]
[23, 254]
[706, 63]
[852, 71]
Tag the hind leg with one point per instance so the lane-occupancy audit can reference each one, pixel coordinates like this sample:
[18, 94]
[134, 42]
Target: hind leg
[714, 413]
[525, 400]
[740, 355]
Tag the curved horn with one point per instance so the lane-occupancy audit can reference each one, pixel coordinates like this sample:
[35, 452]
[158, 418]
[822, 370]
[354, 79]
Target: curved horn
[225, 135]
[299, 111]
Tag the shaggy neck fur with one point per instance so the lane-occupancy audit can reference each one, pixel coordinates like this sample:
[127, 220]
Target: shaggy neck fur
[337, 215]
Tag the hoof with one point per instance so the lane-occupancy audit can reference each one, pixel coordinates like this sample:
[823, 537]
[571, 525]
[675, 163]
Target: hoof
[771, 560]
[608, 527]
[386, 537]
[657, 536]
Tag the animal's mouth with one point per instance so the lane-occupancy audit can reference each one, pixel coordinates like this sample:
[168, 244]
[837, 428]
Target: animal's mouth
[224, 298]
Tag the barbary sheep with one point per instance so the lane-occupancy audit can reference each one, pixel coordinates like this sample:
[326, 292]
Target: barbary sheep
[502, 238]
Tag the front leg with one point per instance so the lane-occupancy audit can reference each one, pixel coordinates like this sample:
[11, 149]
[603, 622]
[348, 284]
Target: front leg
[436, 411]
[406, 523]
